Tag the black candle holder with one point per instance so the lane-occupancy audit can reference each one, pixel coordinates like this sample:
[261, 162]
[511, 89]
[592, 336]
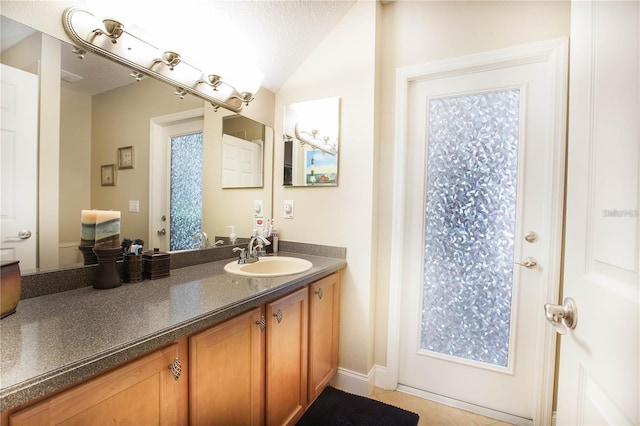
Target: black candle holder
[88, 255]
[107, 275]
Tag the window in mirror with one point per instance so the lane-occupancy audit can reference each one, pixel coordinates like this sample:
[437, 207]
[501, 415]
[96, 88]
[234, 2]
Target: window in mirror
[242, 152]
[311, 143]
[186, 190]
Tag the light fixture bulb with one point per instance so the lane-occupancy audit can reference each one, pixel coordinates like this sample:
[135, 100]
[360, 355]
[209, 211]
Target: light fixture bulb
[244, 81]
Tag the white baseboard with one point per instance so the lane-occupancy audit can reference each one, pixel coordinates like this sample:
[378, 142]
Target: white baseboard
[384, 379]
[355, 383]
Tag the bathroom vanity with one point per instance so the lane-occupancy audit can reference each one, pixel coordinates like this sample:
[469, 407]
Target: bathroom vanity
[199, 344]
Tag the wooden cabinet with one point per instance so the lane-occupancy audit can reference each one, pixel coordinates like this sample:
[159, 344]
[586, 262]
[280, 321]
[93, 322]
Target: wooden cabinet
[226, 381]
[264, 366]
[324, 329]
[142, 392]
[286, 358]
[242, 375]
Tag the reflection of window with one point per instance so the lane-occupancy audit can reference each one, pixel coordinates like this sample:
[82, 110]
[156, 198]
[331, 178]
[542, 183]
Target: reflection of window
[186, 190]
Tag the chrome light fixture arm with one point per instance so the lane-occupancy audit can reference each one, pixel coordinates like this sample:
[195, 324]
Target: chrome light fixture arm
[145, 59]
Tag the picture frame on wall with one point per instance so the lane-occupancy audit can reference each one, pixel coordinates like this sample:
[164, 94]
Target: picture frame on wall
[126, 159]
[108, 175]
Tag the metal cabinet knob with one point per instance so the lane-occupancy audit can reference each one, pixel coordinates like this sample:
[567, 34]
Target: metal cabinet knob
[176, 368]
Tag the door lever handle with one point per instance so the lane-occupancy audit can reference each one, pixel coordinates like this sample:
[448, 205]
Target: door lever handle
[23, 234]
[528, 262]
[562, 316]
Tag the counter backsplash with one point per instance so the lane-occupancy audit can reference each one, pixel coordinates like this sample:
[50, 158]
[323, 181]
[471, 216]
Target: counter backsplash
[49, 282]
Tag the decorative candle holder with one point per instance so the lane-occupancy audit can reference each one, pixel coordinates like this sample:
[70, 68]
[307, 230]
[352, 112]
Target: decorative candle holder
[88, 255]
[132, 268]
[107, 275]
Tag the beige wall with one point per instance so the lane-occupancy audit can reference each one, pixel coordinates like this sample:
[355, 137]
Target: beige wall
[342, 65]
[75, 164]
[423, 31]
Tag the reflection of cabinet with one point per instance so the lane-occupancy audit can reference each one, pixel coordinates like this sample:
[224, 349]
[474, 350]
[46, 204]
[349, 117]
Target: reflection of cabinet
[143, 390]
[324, 327]
[226, 376]
[286, 366]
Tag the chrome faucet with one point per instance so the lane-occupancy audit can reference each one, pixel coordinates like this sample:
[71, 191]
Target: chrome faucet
[204, 239]
[256, 251]
[252, 253]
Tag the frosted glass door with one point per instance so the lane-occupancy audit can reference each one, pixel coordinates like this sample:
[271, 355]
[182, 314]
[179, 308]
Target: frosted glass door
[482, 172]
[471, 186]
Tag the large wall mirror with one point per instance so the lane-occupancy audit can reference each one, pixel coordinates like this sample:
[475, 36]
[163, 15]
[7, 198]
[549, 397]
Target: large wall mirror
[89, 110]
[311, 143]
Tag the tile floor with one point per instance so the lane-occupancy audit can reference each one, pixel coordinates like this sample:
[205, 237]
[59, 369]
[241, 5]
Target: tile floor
[432, 413]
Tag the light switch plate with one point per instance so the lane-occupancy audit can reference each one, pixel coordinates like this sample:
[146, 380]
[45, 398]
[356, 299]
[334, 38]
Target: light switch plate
[134, 206]
[287, 209]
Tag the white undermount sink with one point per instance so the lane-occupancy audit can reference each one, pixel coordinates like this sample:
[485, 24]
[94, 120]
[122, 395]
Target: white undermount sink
[269, 266]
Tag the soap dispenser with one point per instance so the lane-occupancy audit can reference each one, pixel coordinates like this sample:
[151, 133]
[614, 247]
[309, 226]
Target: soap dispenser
[232, 236]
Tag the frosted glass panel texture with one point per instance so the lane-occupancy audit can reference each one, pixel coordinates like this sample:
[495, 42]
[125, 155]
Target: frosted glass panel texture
[186, 190]
[470, 224]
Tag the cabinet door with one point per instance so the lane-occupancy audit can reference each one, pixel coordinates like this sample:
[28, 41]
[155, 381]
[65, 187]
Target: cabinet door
[226, 375]
[286, 355]
[324, 328]
[142, 392]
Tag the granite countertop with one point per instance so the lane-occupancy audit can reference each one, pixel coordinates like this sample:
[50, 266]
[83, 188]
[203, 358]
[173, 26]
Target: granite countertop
[55, 340]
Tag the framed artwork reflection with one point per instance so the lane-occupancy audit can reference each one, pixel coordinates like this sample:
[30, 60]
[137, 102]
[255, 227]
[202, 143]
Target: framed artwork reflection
[108, 175]
[126, 158]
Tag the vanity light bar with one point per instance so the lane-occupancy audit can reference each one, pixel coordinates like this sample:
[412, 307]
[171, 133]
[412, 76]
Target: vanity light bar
[110, 39]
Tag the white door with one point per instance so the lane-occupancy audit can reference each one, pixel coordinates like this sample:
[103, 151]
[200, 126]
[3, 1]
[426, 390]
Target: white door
[19, 153]
[167, 214]
[598, 372]
[482, 228]
[241, 162]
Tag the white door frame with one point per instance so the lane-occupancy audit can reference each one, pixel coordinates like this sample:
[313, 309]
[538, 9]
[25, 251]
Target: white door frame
[555, 54]
[156, 166]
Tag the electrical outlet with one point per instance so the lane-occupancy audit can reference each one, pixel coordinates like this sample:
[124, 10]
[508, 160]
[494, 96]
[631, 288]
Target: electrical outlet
[287, 209]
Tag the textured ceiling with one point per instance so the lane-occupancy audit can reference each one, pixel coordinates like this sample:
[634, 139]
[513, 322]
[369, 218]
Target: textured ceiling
[275, 35]
[281, 34]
